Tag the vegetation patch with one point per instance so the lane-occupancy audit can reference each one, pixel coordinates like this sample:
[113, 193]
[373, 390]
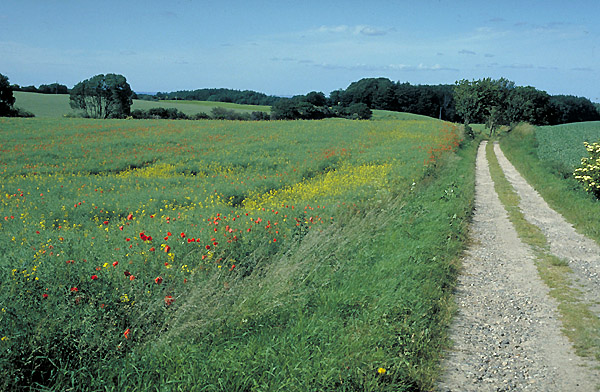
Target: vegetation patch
[196, 255]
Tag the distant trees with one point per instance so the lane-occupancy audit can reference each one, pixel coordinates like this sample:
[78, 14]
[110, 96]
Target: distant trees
[245, 97]
[568, 109]
[7, 100]
[103, 96]
[53, 88]
[500, 102]
[315, 106]
[381, 93]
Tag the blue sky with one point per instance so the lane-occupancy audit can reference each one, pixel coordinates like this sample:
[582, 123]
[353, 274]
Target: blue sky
[293, 47]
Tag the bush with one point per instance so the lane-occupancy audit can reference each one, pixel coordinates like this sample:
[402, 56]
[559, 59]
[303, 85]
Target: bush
[589, 172]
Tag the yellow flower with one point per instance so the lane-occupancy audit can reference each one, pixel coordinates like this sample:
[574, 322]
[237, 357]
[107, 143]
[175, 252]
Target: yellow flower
[381, 370]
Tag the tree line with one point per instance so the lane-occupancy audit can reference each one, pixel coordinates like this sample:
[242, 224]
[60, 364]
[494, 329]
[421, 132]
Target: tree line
[500, 102]
[491, 101]
[243, 97]
[53, 88]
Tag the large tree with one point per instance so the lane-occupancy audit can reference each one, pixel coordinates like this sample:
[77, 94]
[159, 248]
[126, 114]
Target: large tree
[103, 96]
[7, 100]
[483, 101]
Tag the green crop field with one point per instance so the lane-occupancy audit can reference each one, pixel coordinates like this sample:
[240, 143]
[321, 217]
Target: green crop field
[49, 105]
[564, 143]
[228, 256]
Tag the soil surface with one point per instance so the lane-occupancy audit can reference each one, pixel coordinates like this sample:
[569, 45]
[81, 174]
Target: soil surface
[507, 333]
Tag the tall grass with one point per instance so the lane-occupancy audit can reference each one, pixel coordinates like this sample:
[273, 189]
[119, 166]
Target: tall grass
[343, 286]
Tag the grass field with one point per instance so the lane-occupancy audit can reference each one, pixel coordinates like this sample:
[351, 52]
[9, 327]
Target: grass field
[563, 144]
[48, 105]
[228, 256]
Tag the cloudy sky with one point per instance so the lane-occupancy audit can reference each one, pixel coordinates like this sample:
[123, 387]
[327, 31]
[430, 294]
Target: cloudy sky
[292, 47]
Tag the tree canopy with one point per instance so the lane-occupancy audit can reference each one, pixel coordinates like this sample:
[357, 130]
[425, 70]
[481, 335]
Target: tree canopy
[245, 97]
[103, 96]
[7, 99]
[500, 102]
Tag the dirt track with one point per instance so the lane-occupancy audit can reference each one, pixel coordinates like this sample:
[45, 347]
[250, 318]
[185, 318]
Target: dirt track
[507, 334]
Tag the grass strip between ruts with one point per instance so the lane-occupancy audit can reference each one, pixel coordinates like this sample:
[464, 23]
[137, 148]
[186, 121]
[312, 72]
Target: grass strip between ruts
[580, 325]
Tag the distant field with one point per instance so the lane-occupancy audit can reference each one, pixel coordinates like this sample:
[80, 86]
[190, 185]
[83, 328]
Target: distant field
[563, 144]
[43, 105]
[48, 105]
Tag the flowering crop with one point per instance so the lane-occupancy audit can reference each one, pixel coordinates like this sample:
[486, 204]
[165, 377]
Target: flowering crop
[589, 172]
[107, 221]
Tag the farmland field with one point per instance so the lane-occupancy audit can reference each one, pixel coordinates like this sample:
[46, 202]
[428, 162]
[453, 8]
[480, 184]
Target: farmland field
[270, 255]
[49, 105]
[564, 143]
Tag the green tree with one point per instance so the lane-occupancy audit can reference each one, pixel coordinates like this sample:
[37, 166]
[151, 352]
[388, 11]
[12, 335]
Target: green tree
[483, 101]
[7, 100]
[54, 88]
[103, 96]
[468, 101]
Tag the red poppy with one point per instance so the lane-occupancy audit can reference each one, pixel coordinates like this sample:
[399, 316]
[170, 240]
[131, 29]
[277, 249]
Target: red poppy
[207, 247]
[74, 289]
[115, 263]
[94, 277]
[106, 222]
[126, 333]
[182, 235]
[152, 249]
[131, 277]
[44, 296]
[127, 273]
[158, 280]
[167, 249]
[121, 228]
[169, 300]
[129, 217]
[232, 267]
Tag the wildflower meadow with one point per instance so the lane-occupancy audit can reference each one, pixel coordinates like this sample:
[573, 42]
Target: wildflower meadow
[112, 232]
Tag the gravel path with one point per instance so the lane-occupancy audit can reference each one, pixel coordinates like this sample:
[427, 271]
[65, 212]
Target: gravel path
[507, 333]
[582, 254]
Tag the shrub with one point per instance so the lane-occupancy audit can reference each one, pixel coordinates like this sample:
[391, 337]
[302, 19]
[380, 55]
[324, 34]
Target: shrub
[589, 172]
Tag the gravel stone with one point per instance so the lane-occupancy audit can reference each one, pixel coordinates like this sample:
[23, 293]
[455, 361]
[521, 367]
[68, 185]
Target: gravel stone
[506, 333]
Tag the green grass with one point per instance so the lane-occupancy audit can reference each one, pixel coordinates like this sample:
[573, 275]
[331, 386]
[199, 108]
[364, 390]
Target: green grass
[49, 105]
[562, 145]
[43, 105]
[323, 251]
[580, 324]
